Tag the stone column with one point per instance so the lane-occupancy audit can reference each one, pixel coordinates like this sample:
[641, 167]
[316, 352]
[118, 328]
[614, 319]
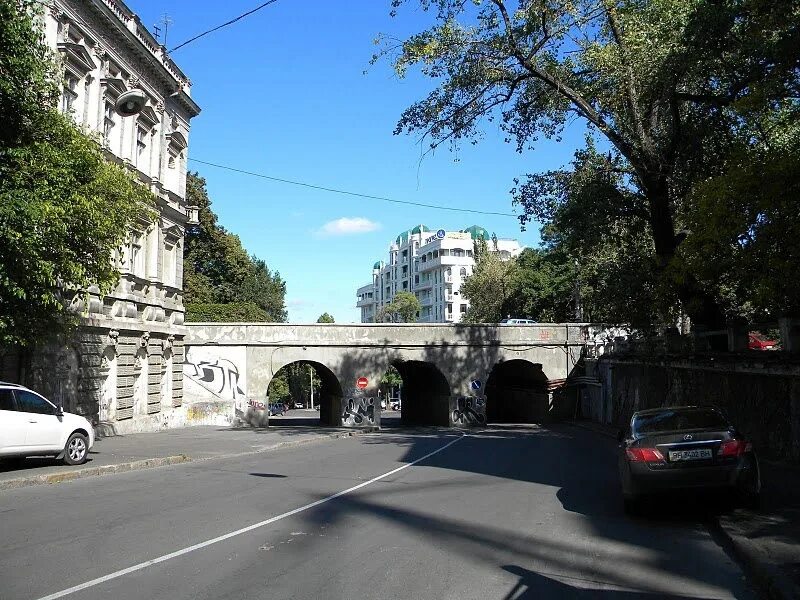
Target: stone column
[790, 334]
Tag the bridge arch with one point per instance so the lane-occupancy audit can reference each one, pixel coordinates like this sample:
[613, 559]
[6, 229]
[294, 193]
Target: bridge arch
[426, 393]
[329, 394]
[516, 392]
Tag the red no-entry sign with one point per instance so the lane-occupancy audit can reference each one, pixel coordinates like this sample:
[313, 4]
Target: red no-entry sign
[361, 383]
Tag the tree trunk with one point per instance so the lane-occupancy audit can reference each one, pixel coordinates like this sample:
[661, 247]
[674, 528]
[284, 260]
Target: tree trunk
[701, 307]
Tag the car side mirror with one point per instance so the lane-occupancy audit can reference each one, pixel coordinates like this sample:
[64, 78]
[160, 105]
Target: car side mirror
[59, 412]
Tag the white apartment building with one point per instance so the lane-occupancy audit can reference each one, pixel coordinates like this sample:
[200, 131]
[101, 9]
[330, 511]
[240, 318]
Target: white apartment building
[432, 265]
[123, 369]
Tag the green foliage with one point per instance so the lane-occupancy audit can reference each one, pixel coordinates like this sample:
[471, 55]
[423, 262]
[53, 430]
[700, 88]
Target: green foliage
[28, 75]
[218, 270]
[672, 90]
[64, 209]
[293, 383]
[325, 318]
[404, 308]
[243, 312]
[391, 378]
[488, 287]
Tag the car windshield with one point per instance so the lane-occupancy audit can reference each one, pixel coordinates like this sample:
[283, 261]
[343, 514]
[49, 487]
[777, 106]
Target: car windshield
[679, 420]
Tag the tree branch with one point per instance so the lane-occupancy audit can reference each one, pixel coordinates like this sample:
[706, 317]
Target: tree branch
[555, 83]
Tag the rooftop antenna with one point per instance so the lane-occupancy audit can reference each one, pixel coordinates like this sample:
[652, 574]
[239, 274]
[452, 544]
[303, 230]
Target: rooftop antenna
[166, 21]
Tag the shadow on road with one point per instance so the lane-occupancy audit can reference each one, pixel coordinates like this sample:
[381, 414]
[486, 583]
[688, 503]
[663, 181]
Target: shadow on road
[581, 467]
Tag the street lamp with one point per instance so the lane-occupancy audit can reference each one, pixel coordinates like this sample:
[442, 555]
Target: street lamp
[130, 103]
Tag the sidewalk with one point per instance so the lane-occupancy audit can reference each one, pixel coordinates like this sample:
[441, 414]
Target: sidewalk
[766, 541]
[123, 453]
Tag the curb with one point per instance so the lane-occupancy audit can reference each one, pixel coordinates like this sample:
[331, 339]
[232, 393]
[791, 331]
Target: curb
[152, 463]
[770, 581]
[147, 463]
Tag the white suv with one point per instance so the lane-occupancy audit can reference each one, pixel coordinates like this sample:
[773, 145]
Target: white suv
[31, 425]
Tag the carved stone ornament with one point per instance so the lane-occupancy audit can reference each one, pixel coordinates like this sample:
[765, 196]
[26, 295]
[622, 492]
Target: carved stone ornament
[113, 338]
[133, 81]
[160, 107]
[166, 344]
[56, 13]
[145, 339]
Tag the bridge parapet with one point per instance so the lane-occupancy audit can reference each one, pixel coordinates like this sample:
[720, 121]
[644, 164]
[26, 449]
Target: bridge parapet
[383, 334]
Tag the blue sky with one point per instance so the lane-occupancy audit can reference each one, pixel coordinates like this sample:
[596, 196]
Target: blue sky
[284, 93]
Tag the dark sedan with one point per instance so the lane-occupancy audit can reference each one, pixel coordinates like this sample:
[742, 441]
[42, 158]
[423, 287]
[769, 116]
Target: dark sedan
[685, 448]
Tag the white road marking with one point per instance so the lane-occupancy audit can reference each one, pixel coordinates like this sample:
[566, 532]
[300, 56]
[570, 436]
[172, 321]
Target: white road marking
[227, 536]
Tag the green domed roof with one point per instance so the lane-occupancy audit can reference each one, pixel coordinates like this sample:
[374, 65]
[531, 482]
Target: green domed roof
[403, 237]
[378, 265]
[477, 232]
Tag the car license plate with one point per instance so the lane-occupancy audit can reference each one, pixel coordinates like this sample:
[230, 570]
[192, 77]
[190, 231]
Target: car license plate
[696, 454]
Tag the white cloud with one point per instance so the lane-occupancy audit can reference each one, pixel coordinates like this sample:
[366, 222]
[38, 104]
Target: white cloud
[347, 226]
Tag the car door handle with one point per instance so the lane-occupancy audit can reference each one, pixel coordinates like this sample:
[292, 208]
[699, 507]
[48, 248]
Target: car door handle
[32, 421]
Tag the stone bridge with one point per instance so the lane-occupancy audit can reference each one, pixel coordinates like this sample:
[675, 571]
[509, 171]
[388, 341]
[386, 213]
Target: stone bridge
[453, 375]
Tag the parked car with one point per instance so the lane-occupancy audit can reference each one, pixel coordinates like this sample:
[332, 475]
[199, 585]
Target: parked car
[395, 405]
[299, 405]
[277, 408]
[760, 342]
[685, 448]
[31, 425]
[517, 321]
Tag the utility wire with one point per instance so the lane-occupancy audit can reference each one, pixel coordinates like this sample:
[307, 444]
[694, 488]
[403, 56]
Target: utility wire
[242, 16]
[356, 194]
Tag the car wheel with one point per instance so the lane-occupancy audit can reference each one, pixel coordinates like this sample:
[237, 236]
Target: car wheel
[76, 449]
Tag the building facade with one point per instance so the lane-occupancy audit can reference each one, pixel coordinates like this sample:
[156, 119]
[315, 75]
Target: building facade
[123, 369]
[432, 265]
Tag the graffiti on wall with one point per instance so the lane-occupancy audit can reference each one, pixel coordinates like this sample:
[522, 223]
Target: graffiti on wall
[358, 411]
[469, 411]
[220, 376]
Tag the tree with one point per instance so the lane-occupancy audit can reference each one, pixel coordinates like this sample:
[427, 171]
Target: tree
[390, 380]
[404, 308]
[218, 270]
[668, 88]
[64, 210]
[293, 383]
[325, 318]
[488, 287]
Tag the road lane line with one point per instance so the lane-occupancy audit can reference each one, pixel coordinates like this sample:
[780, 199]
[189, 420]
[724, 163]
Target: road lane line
[227, 536]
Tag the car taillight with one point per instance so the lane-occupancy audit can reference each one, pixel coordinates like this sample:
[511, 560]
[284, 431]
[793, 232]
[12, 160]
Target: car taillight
[644, 455]
[734, 448]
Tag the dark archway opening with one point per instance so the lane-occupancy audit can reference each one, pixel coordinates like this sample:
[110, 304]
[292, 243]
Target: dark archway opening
[309, 394]
[425, 394]
[516, 392]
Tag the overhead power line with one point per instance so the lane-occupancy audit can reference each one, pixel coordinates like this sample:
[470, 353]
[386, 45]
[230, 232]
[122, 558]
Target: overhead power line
[349, 193]
[231, 22]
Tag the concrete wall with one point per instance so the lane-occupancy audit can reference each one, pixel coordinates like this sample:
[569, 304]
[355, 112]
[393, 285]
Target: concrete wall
[761, 399]
[253, 353]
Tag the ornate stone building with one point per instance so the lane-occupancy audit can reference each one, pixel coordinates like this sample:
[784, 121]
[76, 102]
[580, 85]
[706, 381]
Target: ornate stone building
[124, 368]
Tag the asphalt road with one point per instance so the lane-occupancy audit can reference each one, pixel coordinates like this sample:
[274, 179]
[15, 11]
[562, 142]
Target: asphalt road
[512, 512]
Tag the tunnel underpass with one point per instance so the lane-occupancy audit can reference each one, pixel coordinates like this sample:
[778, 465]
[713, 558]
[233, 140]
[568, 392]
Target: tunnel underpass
[300, 380]
[426, 394]
[516, 392]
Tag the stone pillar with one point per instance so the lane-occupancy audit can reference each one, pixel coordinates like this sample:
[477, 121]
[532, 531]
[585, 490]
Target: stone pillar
[738, 338]
[790, 334]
